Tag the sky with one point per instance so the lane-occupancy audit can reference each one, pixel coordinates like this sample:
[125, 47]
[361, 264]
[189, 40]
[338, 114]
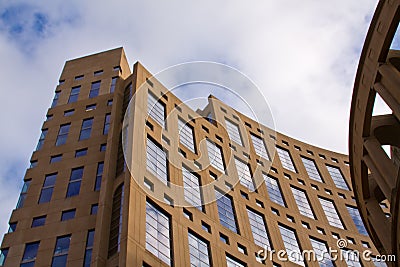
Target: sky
[302, 55]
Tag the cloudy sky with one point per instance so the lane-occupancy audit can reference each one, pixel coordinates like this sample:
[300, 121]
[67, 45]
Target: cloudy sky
[303, 56]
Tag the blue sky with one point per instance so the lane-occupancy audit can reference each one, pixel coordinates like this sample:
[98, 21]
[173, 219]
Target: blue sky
[303, 57]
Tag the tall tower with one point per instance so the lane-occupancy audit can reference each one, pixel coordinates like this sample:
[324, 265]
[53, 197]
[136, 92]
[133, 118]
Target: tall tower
[79, 205]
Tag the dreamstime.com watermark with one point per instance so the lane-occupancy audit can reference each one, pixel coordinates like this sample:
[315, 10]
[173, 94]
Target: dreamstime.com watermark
[340, 253]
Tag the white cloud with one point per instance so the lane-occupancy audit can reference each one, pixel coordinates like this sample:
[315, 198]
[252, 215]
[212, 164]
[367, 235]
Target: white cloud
[303, 56]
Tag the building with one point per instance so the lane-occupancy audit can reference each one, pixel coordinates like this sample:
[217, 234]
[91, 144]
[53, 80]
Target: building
[375, 174]
[79, 205]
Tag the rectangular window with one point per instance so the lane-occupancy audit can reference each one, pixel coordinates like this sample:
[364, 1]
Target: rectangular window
[113, 83]
[274, 190]
[61, 251]
[233, 132]
[22, 195]
[116, 221]
[191, 183]
[292, 247]
[79, 77]
[225, 211]
[312, 169]
[186, 136]
[331, 213]
[355, 215]
[12, 227]
[244, 174]
[89, 248]
[259, 146]
[352, 258]
[63, 134]
[93, 209]
[48, 187]
[3, 256]
[30, 252]
[232, 262]
[55, 158]
[259, 229]
[156, 109]
[90, 107]
[99, 174]
[38, 221]
[73, 96]
[158, 240]
[107, 121]
[69, 112]
[103, 147]
[321, 253]
[302, 202]
[86, 129]
[98, 73]
[198, 250]
[94, 89]
[337, 177]
[55, 99]
[157, 161]
[41, 139]
[80, 152]
[75, 180]
[215, 156]
[286, 159]
[68, 215]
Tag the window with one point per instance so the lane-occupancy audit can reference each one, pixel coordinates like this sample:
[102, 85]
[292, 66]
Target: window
[312, 169]
[286, 159]
[186, 136]
[113, 83]
[86, 129]
[158, 240]
[99, 174]
[41, 139]
[117, 68]
[103, 147]
[191, 183]
[116, 221]
[63, 134]
[232, 262]
[292, 247]
[61, 251]
[215, 156]
[355, 215]
[259, 146]
[233, 132]
[94, 89]
[3, 256]
[47, 189]
[259, 229]
[49, 117]
[80, 152]
[302, 202]
[69, 112]
[157, 161]
[79, 77]
[98, 73]
[73, 96]
[90, 107]
[12, 227]
[33, 164]
[321, 253]
[29, 257]
[107, 121]
[61, 82]
[93, 209]
[75, 180]
[198, 250]
[22, 195]
[55, 158]
[155, 109]
[331, 213]
[38, 221]
[274, 190]
[352, 258]
[55, 99]
[109, 102]
[337, 177]
[225, 211]
[244, 174]
[68, 215]
[89, 248]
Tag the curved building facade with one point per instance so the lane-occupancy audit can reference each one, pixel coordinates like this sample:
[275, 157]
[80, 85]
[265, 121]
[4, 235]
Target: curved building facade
[375, 174]
[275, 196]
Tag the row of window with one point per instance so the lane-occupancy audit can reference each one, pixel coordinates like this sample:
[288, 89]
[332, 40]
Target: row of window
[60, 253]
[159, 238]
[85, 132]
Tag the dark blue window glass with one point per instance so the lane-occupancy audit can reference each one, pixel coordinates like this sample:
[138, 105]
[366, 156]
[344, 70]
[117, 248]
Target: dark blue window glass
[3, 256]
[62, 134]
[38, 221]
[55, 99]
[29, 257]
[73, 97]
[80, 153]
[94, 90]
[68, 215]
[99, 175]
[107, 123]
[47, 189]
[86, 129]
[75, 182]
[94, 208]
[61, 251]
